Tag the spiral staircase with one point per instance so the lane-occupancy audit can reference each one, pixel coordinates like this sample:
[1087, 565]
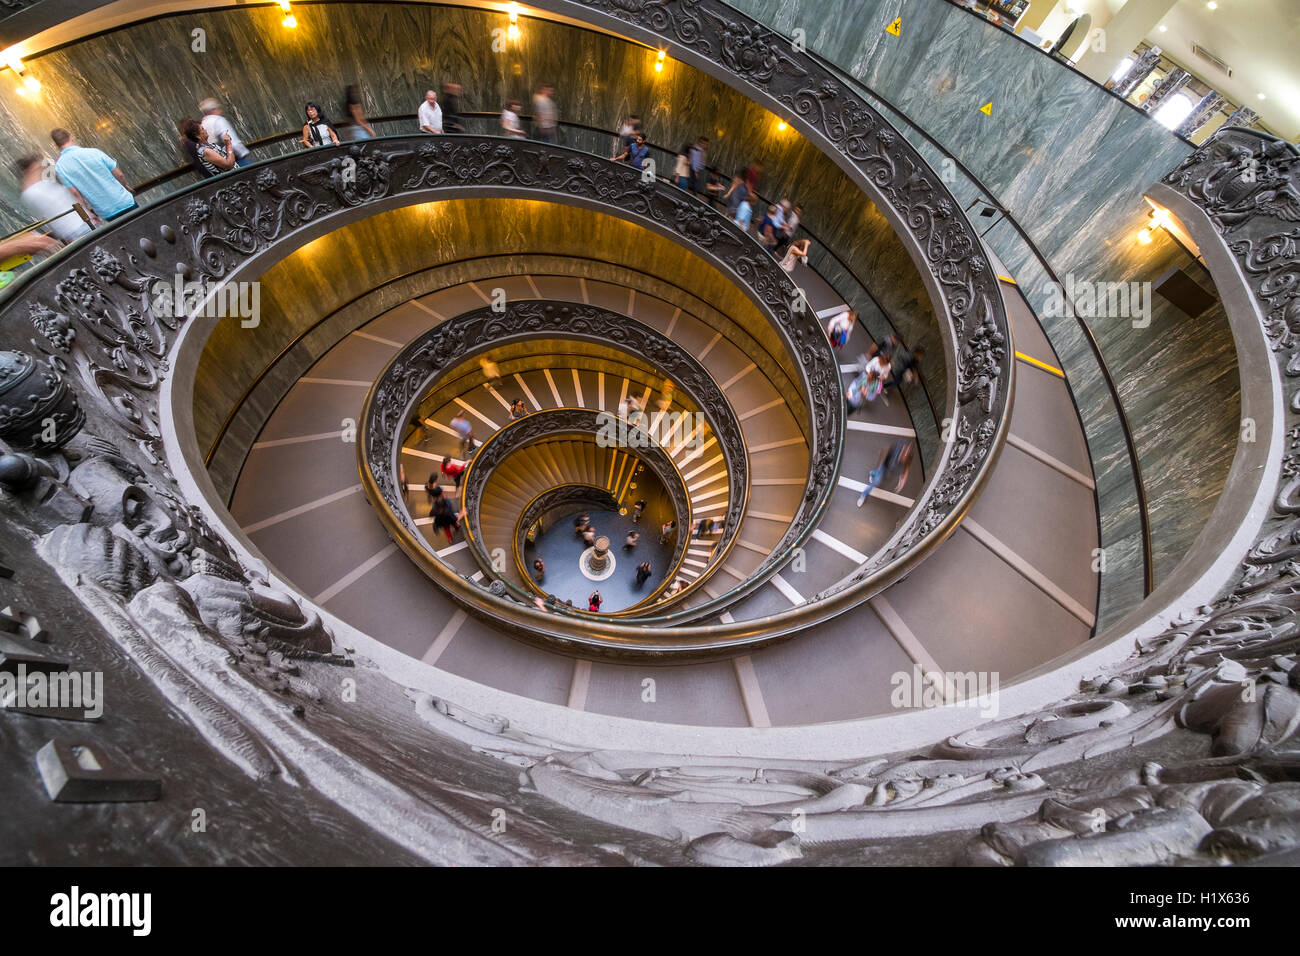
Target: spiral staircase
[303, 623]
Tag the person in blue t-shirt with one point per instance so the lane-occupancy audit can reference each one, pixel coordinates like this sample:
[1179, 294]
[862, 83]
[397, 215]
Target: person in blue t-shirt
[636, 153]
[94, 174]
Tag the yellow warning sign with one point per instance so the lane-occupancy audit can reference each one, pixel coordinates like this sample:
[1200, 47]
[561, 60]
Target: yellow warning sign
[987, 108]
[896, 28]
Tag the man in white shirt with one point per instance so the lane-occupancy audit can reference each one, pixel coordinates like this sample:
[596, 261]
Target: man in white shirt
[430, 114]
[45, 198]
[218, 126]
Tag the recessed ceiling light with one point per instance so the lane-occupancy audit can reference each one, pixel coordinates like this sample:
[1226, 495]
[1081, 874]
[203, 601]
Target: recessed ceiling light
[1212, 5]
[1261, 96]
[1163, 28]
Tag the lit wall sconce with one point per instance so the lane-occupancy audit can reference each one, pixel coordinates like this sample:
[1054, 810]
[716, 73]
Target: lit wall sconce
[30, 83]
[290, 21]
[659, 61]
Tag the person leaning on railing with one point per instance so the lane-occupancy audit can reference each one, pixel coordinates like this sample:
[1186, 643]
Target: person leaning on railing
[317, 131]
[208, 158]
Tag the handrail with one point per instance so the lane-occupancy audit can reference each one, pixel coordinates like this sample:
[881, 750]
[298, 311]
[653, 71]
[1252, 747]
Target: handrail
[75, 207]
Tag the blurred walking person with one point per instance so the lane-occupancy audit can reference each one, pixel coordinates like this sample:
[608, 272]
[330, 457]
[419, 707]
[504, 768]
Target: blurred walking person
[544, 121]
[895, 460]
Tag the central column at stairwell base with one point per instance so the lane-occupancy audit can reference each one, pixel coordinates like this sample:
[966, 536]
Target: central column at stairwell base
[599, 555]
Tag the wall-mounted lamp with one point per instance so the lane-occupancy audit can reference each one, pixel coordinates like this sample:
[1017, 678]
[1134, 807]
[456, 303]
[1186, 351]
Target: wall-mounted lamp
[290, 21]
[30, 83]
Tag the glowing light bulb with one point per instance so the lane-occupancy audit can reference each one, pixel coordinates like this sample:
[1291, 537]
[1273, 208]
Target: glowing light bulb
[1144, 237]
[284, 5]
[659, 66]
[1212, 5]
[514, 13]
[1160, 218]
[663, 54]
[781, 126]
[512, 32]
[289, 22]
[32, 84]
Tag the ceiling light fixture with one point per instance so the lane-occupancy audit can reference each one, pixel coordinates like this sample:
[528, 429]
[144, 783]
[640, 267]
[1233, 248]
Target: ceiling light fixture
[1261, 96]
[1212, 5]
[30, 83]
[1163, 28]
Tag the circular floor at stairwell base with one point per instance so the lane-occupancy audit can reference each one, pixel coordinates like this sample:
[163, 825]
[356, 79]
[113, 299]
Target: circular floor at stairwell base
[561, 550]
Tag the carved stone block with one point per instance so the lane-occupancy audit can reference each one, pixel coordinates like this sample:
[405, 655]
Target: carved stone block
[14, 652]
[75, 772]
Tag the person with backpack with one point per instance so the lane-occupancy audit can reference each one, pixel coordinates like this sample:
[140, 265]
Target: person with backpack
[454, 469]
[840, 327]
